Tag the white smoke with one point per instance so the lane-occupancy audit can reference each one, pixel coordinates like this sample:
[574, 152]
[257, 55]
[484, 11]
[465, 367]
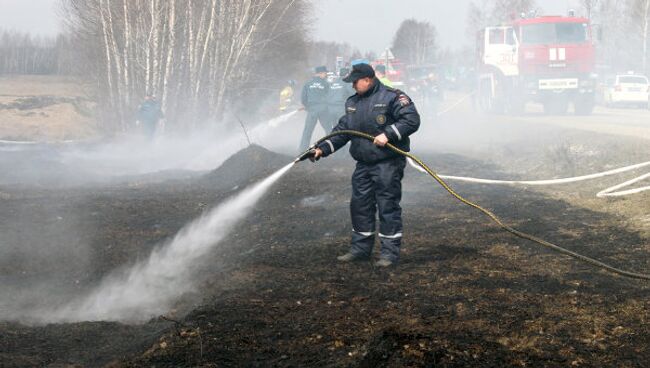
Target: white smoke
[199, 151]
[268, 135]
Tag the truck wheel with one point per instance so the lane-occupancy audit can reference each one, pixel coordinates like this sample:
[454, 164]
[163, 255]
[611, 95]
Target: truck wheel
[584, 106]
[485, 99]
[556, 106]
[487, 102]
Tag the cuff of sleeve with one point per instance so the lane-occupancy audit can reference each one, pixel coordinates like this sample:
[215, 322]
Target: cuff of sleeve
[393, 133]
[327, 147]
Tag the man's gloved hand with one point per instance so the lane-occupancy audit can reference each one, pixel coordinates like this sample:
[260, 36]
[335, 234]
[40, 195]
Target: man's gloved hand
[318, 153]
[380, 140]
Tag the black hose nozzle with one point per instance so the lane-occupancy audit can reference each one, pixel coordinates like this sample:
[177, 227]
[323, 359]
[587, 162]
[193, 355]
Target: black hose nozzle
[308, 154]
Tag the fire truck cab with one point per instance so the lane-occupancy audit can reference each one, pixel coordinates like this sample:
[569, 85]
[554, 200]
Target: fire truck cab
[548, 59]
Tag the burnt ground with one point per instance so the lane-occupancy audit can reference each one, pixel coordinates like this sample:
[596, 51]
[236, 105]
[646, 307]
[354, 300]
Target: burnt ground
[465, 293]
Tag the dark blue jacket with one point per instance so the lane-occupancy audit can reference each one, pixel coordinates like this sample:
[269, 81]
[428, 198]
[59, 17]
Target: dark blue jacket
[380, 110]
[314, 94]
[150, 111]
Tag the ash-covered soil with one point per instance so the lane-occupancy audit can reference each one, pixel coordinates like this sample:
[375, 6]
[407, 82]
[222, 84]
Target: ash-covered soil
[465, 293]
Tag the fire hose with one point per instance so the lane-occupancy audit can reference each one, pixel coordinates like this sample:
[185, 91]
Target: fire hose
[609, 192]
[613, 191]
[594, 262]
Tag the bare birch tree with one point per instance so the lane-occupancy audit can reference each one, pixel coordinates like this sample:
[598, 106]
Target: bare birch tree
[483, 13]
[415, 42]
[195, 55]
[639, 15]
[589, 6]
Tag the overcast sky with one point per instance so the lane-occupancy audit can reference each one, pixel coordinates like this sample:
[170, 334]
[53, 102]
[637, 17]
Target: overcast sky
[371, 24]
[366, 24]
[34, 16]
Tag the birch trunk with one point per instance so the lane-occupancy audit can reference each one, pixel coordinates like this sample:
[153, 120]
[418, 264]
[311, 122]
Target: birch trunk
[127, 52]
[118, 65]
[155, 46]
[107, 51]
[646, 19]
[204, 49]
[170, 53]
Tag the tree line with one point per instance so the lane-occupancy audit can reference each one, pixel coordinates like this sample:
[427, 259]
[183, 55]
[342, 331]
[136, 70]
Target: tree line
[22, 53]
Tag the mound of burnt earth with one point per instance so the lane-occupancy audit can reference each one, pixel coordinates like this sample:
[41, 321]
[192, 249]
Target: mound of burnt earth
[244, 167]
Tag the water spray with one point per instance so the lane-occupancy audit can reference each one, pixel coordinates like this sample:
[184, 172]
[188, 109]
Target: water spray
[282, 118]
[150, 287]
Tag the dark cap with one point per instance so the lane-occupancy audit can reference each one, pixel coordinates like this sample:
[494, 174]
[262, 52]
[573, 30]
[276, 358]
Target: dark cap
[381, 68]
[321, 69]
[359, 71]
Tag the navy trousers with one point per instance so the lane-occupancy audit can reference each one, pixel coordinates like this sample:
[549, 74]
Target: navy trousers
[318, 114]
[335, 113]
[377, 192]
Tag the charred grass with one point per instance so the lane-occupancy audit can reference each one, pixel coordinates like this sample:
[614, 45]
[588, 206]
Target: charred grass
[465, 292]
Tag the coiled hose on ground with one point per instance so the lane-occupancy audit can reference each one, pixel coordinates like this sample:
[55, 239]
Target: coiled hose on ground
[488, 213]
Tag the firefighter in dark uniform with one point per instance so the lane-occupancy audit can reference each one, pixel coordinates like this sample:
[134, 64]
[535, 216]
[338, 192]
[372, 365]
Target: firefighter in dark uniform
[149, 113]
[390, 116]
[314, 99]
[339, 93]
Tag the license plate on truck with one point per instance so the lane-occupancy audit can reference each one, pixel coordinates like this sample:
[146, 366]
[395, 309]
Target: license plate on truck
[566, 83]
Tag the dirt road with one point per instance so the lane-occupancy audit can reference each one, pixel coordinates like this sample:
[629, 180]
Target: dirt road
[629, 122]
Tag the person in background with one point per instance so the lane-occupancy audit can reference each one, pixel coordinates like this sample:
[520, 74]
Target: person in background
[432, 93]
[286, 95]
[338, 94]
[314, 99]
[149, 113]
[380, 70]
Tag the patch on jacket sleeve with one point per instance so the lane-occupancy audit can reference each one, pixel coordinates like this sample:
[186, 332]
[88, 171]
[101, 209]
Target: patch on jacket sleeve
[404, 100]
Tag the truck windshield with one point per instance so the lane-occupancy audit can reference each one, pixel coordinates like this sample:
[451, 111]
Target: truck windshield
[557, 33]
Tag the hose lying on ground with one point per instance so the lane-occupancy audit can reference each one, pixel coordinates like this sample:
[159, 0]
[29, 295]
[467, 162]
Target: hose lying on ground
[488, 213]
[612, 191]
[609, 192]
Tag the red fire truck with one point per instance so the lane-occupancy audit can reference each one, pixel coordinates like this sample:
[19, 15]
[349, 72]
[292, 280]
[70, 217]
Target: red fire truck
[547, 59]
